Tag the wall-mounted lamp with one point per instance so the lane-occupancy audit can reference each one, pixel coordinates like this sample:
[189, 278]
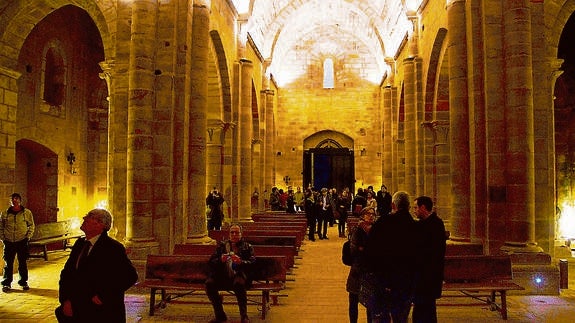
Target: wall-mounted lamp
[287, 179]
[71, 160]
[363, 152]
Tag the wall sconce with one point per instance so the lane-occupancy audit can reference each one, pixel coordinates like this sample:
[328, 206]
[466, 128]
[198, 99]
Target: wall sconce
[71, 160]
[287, 179]
[363, 152]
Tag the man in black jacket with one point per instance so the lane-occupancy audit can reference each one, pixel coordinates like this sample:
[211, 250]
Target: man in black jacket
[391, 253]
[96, 275]
[431, 261]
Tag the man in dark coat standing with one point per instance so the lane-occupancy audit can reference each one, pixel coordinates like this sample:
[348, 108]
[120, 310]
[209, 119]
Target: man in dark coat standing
[431, 253]
[96, 275]
[391, 254]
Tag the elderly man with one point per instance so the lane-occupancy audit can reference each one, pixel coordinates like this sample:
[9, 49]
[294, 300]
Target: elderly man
[230, 270]
[391, 257]
[96, 275]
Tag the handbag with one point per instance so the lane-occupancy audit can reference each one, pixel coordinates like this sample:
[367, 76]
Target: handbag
[372, 291]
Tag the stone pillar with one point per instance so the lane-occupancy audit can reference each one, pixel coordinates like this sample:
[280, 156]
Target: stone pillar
[387, 141]
[409, 127]
[214, 155]
[269, 149]
[519, 157]
[257, 178]
[140, 167]
[197, 221]
[459, 121]
[245, 134]
[9, 102]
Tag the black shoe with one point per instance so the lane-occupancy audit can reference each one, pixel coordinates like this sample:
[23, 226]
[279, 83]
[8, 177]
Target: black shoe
[6, 288]
[25, 287]
[325, 237]
[245, 319]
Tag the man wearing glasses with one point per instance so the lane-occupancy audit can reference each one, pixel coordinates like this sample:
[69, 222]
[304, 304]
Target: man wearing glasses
[229, 271]
[96, 275]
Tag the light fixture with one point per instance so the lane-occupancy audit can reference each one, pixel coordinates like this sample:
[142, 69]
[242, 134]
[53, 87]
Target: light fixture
[287, 179]
[71, 158]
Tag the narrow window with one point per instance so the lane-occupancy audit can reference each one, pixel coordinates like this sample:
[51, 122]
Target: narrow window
[54, 78]
[328, 73]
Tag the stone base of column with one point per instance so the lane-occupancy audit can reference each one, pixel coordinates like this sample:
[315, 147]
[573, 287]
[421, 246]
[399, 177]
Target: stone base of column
[536, 273]
[138, 252]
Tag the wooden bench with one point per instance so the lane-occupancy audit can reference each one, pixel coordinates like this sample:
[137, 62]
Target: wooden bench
[50, 233]
[260, 250]
[187, 275]
[261, 238]
[247, 233]
[479, 276]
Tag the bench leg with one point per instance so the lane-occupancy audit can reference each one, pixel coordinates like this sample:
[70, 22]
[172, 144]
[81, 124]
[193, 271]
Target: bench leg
[504, 304]
[46, 252]
[152, 301]
[265, 298]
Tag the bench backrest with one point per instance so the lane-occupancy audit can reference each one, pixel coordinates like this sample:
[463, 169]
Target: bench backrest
[259, 250]
[51, 230]
[258, 238]
[478, 268]
[195, 269]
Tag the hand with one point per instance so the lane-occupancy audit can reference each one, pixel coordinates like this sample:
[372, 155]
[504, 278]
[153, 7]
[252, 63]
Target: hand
[67, 308]
[236, 259]
[96, 300]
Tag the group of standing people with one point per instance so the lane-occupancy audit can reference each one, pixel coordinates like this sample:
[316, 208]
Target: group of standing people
[398, 261]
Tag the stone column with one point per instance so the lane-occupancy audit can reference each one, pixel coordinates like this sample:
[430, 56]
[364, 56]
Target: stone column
[269, 148]
[214, 158]
[519, 157]
[458, 120]
[245, 134]
[257, 169]
[387, 141]
[9, 102]
[140, 171]
[197, 221]
[409, 127]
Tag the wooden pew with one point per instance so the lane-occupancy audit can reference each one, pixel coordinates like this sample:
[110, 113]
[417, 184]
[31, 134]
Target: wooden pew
[187, 274]
[480, 277]
[249, 235]
[260, 250]
[52, 233]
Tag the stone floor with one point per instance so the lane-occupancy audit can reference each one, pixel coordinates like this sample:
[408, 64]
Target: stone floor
[315, 293]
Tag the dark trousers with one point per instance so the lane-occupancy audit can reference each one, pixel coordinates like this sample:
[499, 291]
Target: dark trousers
[11, 249]
[341, 224]
[311, 227]
[353, 309]
[424, 310]
[322, 223]
[394, 308]
[239, 288]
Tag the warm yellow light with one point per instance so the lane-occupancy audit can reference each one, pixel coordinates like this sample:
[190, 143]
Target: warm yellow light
[566, 222]
[103, 204]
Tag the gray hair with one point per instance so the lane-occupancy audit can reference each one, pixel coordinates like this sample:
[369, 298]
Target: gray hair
[102, 216]
[401, 200]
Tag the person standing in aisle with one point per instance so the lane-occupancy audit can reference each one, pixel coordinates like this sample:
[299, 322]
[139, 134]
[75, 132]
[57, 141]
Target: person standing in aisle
[16, 229]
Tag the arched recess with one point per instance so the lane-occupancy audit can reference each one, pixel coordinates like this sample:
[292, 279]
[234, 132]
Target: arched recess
[79, 124]
[23, 16]
[36, 178]
[437, 124]
[328, 160]
[219, 116]
[564, 115]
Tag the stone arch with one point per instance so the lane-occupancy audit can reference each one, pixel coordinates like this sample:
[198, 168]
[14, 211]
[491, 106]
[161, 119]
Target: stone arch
[559, 17]
[321, 138]
[23, 16]
[223, 75]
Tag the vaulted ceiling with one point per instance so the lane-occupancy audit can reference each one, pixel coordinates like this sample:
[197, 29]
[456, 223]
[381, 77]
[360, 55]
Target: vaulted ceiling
[291, 33]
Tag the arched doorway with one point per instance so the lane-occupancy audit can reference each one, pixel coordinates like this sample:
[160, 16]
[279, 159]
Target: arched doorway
[36, 179]
[328, 161]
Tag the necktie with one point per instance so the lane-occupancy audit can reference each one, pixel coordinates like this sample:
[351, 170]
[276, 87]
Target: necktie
[84, 253]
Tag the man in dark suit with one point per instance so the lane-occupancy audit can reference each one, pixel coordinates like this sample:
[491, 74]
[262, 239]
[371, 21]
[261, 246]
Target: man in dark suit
[431, 261]
[96, 275]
